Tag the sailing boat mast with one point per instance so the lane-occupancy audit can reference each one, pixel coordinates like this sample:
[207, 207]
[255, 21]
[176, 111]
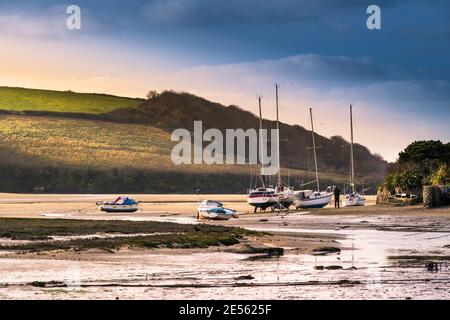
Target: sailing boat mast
[352, 172]
[314, 148]
[278, 130]
[261, 154]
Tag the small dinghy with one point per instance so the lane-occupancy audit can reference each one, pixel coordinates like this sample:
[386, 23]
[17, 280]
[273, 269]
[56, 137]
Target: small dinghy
[121, 204]
[214, 210]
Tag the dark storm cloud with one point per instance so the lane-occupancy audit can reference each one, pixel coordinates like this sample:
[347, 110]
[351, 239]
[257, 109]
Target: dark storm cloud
[249, 12]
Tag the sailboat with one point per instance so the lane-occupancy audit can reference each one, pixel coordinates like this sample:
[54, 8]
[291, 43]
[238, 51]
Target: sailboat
[354, 198]
[312, 198]
[262, 197]
[280, 197]
[284, 194]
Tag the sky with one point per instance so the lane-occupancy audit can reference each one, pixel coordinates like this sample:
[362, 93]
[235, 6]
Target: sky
[320, 52]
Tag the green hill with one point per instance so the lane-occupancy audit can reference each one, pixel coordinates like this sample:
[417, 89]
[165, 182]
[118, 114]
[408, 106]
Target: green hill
[21, 99]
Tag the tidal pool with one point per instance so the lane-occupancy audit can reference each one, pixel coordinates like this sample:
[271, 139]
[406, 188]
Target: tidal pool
[362, 270]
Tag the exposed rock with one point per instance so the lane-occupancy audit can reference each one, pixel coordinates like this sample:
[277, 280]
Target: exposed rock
[47, 284]
[333, 267]
[249, 249]
[325, 250]
[319, 267]
[247, 277]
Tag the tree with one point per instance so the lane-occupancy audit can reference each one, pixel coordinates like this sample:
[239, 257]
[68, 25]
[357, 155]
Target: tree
[406, 179]
[421, 163]
[152, 94]
[378, 156]
[426, 155]
[447, 153]
[424, 151]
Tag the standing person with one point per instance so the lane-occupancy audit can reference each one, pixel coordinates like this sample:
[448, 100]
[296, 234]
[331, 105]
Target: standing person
[337, 194]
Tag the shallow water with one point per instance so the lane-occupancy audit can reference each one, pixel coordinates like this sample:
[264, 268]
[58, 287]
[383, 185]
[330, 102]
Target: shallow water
[213, 275]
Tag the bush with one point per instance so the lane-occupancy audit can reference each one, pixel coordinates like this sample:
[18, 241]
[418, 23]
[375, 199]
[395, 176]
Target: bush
[441, 176]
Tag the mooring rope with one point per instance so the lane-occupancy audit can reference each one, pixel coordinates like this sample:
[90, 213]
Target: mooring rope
[71, 210]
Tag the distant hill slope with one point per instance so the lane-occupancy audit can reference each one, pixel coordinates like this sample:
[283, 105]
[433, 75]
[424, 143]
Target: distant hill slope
[21, 99]
[73, 155]
[128, 149]
[39, 141]
[172, 110]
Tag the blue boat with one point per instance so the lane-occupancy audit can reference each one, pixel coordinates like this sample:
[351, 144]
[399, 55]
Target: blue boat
[214, 210]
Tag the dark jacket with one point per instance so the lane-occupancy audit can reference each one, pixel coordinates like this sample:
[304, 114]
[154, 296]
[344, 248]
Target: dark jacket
[337, 192]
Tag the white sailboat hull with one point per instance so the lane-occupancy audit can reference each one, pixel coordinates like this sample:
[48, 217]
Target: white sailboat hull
[262, 201]
[277, 200]
[214, 216]
[262, 198]
[319, 202]
[354, 202]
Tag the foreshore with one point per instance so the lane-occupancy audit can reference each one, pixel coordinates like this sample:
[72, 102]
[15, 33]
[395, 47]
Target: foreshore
[80, 205]
[370, 252]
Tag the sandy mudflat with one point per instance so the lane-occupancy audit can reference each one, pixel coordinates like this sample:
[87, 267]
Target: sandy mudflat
[83, 206]
[384, 253]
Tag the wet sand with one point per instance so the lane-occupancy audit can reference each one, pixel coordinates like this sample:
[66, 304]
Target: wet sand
[371, 239]
[79, 206]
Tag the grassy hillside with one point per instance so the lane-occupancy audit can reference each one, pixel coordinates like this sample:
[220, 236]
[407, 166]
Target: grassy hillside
[172, 110]
[73, 142]
[97, 144]
[94, 144]
[72, 155]
[21, 99]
